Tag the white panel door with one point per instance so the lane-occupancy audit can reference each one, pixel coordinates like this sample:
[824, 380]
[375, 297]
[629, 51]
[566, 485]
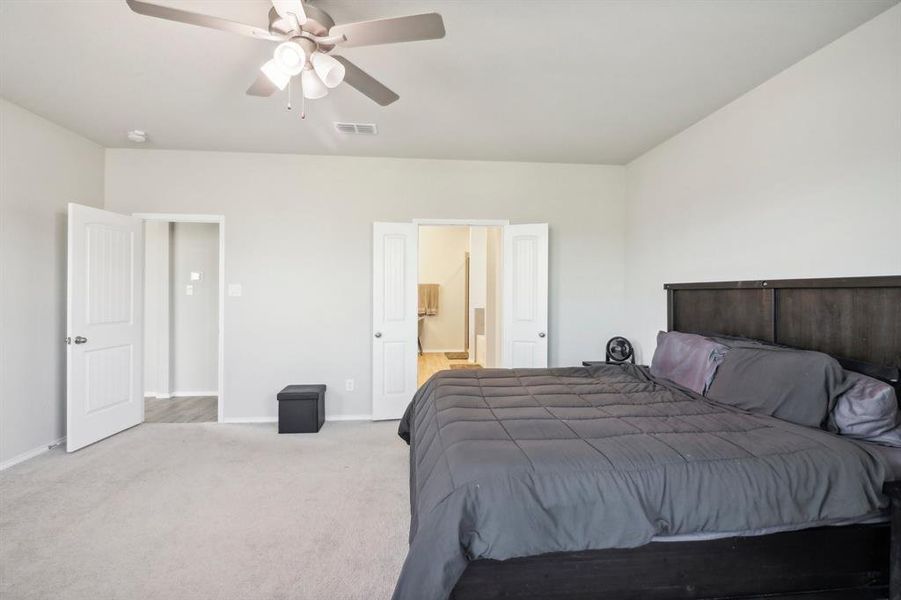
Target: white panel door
[104, 328]
[525, 294]
[394, 314]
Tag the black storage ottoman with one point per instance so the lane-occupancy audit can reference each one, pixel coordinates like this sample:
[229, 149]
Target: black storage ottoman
[301, 409]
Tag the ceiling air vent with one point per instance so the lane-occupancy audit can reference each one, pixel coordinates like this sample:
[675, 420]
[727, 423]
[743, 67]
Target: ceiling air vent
[357, 128]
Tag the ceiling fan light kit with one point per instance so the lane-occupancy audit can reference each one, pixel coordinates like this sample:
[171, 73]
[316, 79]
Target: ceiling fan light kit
[307, 35]
[329, 70]
[278, 76]
[313, 87]
[290, 57]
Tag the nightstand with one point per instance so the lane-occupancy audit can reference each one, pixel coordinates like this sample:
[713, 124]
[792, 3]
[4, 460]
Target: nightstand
[593, 363]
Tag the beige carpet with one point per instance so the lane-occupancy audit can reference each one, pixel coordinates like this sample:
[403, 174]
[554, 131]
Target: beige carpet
[197, 511]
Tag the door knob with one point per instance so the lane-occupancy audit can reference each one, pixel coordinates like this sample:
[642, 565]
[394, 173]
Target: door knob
[80, 340]
[540, 334]
[378, 334]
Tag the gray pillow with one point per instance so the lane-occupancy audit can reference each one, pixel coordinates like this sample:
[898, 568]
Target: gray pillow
[867, 411]
[794, 385]
[686, 359]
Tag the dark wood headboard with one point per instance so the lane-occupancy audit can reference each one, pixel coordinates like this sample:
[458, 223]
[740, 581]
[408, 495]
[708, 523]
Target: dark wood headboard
[855, 319]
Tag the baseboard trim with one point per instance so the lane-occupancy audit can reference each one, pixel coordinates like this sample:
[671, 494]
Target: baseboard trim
[348, 417]
[31, 453]
[430, 351]
[238, 420]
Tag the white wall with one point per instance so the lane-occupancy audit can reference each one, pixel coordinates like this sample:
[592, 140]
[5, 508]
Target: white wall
[800, 177]
[194, 247]
[42, 168]
[493, 299]
[478, 281]
[298, 238]
[442, 260]
[157, 304]
[484, 292]
[478, 266]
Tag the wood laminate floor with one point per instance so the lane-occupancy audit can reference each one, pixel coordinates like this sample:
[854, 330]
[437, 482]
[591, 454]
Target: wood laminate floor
[187, 409]
[432, 362]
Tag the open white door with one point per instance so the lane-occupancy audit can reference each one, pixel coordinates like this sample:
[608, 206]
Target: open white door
[394, 308]
[104, 376]
[525, 294]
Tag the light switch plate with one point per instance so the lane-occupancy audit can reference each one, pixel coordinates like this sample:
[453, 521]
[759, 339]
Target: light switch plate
[234, 289]
[189, 290]
[349, 385]
[196, 276]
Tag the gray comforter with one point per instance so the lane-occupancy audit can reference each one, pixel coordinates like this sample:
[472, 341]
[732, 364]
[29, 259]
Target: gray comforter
[507, 463]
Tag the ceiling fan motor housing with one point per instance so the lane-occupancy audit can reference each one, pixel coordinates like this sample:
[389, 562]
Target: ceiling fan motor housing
[318, 22]
[308, 45]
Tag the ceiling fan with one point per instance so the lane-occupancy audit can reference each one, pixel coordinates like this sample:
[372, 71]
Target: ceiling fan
[307, 35]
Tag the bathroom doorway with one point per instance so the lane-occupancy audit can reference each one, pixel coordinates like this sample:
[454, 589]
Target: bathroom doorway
[458, 324]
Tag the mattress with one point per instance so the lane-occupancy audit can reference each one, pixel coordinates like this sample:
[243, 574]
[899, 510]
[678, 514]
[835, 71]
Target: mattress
[889, 455]
[891, 458]
[508, 463]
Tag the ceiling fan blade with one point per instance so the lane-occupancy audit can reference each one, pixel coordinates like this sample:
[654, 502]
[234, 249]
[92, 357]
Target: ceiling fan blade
[288, 8]
[412, 28]
[364, 83]
[183, 16]
[263, 86]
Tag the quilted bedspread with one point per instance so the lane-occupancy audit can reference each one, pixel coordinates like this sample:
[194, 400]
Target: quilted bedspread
[507, 463]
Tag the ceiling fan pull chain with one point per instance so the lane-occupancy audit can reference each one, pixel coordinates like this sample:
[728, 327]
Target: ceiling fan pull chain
[303, 103]
[290, 85]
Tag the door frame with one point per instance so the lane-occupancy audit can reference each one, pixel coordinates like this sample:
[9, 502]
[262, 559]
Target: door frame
[464, 222]
[220, 220]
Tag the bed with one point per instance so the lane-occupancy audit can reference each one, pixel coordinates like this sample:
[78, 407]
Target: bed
[605, 481]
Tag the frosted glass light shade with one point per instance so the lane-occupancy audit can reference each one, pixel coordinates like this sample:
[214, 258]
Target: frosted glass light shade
[329, 70]
[290, 57]
[276, 74]
[313, 88]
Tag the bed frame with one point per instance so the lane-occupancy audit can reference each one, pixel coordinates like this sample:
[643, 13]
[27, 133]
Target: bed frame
[858, 321]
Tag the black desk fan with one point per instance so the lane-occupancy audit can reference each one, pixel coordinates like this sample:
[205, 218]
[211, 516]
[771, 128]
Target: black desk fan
[619, 350]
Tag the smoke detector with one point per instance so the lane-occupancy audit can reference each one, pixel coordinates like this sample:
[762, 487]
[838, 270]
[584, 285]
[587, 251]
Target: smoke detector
[137, 136]
[357, 128]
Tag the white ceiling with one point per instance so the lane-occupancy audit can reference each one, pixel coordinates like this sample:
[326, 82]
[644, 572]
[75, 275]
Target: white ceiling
[557, 81]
